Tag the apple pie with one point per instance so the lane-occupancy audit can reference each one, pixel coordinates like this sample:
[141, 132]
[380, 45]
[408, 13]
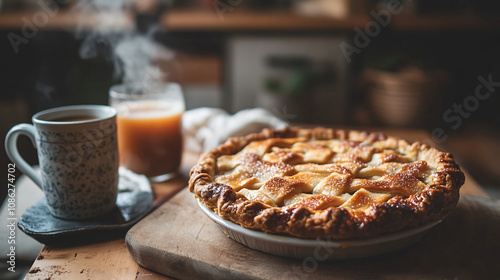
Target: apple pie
[326, 183]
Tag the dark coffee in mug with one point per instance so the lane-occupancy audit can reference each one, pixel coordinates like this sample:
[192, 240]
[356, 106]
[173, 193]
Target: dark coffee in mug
[77, 118]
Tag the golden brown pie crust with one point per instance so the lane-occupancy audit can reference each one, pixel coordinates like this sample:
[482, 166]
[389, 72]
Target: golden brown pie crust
[414, 192]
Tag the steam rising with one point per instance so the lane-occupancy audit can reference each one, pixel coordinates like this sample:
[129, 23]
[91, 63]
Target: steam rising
[132, 53]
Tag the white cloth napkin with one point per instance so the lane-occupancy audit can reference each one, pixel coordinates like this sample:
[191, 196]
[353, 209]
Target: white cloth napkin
[130, 181]
[206, 128]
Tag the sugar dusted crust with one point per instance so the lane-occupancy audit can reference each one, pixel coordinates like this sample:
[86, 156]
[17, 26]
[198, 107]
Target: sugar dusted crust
[326, 183]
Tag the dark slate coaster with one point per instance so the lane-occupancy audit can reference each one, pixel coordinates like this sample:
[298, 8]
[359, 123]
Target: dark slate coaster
[39, 223]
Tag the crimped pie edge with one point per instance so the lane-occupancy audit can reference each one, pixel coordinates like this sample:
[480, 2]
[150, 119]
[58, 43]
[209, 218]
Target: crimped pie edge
[435, 201]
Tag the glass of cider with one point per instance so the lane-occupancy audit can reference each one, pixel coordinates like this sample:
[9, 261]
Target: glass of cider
[149, 128]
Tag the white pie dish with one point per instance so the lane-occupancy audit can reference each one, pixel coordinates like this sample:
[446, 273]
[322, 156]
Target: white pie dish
[319, 250]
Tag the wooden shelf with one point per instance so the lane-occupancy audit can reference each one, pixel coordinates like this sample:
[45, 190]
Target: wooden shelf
[254, 21]
[269, 21]
[451, 22]
[67, 20]
[209, 20]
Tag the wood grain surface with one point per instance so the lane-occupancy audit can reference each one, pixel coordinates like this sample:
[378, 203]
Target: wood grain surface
[83, 262]
[178, 240]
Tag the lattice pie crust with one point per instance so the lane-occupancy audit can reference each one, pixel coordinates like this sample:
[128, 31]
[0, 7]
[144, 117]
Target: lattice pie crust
[324, 183]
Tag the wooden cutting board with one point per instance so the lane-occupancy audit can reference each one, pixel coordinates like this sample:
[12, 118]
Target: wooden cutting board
[178, 240]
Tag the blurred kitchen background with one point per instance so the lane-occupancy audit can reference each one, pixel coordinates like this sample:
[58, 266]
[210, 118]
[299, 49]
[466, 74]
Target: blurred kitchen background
[413, 64]
[357, 64]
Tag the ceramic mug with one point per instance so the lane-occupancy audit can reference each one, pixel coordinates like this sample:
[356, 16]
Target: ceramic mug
[78, 156]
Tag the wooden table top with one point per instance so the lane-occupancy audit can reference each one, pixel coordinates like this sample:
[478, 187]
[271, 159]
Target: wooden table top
[111, 259]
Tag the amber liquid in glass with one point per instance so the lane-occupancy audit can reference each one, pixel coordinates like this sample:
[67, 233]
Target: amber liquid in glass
[150, 137]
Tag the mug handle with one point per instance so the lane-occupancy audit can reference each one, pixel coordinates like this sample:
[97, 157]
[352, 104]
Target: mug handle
[13, 153]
